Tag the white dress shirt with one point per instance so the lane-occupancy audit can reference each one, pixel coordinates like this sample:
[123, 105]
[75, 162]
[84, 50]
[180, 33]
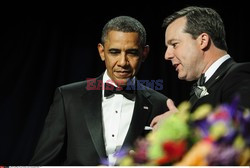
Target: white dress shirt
[211, 70]
[117, 114]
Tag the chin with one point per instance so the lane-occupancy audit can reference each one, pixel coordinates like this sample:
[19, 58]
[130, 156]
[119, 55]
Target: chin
[182, 78]
[124, 82]
[121, 82]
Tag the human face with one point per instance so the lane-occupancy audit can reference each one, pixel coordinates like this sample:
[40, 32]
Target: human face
[122, 55]
[183, 51]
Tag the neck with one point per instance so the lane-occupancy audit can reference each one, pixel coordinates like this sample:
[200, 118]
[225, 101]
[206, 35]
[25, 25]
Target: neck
[211, 56]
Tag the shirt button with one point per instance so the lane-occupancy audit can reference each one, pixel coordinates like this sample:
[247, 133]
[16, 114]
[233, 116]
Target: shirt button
[116, 111]
[113, 135]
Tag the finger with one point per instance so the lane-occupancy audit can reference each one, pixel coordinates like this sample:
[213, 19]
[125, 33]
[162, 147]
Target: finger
[158, 118]
[170, 105]
[154, 121]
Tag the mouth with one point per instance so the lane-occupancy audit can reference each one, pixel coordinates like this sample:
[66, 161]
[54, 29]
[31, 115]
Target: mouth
[176, 66]
[123, 74]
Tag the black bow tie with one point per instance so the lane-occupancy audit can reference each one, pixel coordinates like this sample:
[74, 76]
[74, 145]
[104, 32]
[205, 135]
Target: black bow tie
[198, 88]
[111, 89]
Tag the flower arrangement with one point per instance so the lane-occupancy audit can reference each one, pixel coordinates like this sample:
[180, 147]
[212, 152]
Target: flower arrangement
[208, 136]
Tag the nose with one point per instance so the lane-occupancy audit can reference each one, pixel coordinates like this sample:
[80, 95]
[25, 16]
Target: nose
[123, 61]
[169, 54]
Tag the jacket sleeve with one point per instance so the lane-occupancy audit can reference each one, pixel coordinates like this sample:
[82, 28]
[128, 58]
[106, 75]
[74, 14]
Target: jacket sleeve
[50, 148]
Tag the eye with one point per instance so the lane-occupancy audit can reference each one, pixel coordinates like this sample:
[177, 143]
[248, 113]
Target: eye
[133, 52]
[174, 45]
[114, 51]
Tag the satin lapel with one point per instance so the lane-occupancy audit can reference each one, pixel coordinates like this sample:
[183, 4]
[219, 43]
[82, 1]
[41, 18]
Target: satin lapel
[219, 74]
[92, 102]
[142, 111]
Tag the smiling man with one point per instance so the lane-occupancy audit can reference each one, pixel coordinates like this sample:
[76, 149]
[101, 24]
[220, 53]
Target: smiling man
[91, 120]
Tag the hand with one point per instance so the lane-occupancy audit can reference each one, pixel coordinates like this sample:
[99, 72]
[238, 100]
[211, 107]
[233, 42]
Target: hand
[172, 109]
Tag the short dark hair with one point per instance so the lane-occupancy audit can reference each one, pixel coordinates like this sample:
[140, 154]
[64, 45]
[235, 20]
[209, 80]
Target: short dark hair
[201, 20]
[125, 24]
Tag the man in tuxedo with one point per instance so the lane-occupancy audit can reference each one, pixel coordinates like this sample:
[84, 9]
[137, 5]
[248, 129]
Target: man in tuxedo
[196, 46]
[91, 120]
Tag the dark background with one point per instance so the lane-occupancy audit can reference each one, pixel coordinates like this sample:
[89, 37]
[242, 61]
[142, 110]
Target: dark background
[48, 45]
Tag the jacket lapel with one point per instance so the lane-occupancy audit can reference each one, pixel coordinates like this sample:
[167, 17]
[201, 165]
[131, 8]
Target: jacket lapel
[219, 74]
[141, 113]
[92, 102]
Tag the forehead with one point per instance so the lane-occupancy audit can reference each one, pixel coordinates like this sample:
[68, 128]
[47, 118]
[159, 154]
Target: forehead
[118, 37]
[176, 27]
[119, 34]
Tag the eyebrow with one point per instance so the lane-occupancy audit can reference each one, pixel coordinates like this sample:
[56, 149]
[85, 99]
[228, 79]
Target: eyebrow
[130, 49]
[133, 49]
[113, 49]
[171, 41]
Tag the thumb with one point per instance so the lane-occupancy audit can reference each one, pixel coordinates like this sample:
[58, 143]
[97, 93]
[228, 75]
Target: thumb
[170, 105]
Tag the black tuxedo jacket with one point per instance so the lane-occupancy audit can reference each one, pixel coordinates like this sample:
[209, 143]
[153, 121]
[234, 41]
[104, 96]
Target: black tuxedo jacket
[231, 79]
[73, 130]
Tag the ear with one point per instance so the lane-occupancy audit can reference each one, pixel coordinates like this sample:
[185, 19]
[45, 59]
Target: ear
[145, 52]
[204, 39]
[100, 48]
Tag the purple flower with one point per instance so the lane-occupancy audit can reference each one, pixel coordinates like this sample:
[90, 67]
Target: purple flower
[203, 127]
[245, 126]
[222, 155]
[233, 108]
[104, 162]
[229, 138]
[122, 152]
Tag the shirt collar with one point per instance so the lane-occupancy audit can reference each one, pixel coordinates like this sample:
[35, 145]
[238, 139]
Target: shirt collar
[211, 70]
[107, 79]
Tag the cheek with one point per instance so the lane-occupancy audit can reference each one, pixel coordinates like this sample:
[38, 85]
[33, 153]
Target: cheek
[135, 63]
[110, 63]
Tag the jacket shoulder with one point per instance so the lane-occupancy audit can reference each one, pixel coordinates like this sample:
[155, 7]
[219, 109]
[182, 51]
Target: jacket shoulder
[154, 94]
[81, 85]
[73, 86]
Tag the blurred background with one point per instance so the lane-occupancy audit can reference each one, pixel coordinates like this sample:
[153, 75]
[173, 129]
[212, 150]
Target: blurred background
[46, 45]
